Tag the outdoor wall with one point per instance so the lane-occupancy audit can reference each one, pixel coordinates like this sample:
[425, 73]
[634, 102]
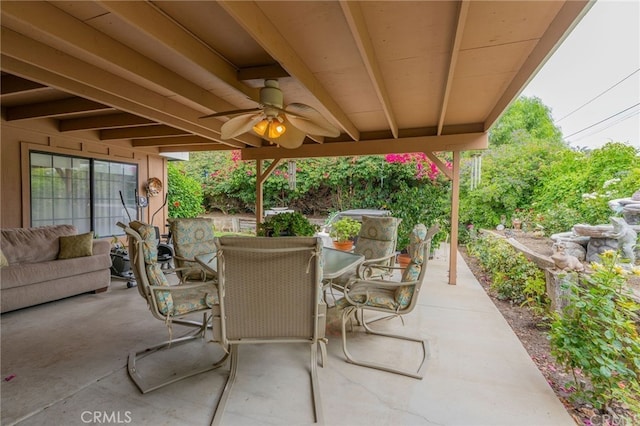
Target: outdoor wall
[16, 141]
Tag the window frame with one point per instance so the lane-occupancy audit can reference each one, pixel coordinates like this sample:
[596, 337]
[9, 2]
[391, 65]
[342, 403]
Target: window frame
[114, 203]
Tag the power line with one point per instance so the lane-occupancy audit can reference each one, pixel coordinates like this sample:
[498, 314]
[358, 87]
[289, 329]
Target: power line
[588, 102]
[602, 121]
[621, 119]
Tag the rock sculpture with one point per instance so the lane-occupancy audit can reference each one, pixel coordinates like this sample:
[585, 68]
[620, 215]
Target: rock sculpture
[564, 261]
[626, 237]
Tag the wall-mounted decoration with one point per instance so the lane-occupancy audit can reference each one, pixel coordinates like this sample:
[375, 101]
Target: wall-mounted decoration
[154, 187]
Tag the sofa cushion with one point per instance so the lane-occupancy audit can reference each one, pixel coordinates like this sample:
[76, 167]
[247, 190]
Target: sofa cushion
[16, 275]
[72, 246]
[31, 245]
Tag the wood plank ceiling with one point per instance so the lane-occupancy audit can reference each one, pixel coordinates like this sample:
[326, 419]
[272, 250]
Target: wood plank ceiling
[392, 76]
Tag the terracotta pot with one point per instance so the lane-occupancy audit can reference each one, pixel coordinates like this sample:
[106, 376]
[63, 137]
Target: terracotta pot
[343, 245]
[403, 260]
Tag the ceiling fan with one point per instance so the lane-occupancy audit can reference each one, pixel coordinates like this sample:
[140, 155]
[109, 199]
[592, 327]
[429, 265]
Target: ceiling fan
[271, 120]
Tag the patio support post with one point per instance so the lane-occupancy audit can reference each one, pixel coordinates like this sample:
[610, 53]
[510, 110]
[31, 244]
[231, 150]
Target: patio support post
[259, 192]
[260, 178]
[455, 204]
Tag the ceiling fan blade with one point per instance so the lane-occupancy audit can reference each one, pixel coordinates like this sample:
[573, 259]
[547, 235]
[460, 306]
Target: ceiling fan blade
[232, 112]
[290, 139]
[239, 125]
[310, 120]
[315, 138]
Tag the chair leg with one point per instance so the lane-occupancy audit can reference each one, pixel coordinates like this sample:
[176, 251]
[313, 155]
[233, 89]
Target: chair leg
[419, 374]
[315, 388]
[226, 391]
[143, 385]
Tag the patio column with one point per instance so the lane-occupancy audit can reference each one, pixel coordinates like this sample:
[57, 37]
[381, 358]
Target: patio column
[455, 207]
[260, 178]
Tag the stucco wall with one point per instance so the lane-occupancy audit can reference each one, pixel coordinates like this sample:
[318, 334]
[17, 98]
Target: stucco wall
[18, 139]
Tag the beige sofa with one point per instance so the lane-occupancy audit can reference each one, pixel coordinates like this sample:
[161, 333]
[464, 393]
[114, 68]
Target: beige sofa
[34, 273]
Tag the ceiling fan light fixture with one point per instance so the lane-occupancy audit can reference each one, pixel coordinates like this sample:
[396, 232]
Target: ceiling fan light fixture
[261, 127]
[276, 129]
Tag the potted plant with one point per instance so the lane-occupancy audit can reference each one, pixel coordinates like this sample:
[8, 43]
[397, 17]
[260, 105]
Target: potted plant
[343, 232]
[286, 224]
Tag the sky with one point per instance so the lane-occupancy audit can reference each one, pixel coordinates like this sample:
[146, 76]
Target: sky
[594, 77]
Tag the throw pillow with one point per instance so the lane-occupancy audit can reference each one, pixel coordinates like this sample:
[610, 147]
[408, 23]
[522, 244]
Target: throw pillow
[76, 246]
[3, 260]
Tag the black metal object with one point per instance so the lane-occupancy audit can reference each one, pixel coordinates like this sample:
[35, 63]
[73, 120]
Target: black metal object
[121, 267]
[120, 262]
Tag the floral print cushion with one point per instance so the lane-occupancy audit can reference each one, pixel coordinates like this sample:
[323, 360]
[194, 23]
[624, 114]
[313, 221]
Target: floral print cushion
[149, 242]
[379, 228]
[380, 297]
[377, 237]
[157, 278]
[412, 271]
[189, 300]
[154, 271]
[192, 237]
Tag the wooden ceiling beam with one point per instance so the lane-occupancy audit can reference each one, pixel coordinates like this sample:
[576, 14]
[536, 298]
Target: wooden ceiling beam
[358, 26]
[10, 84]
[140, 132]
[146, 17]
[262, 72]
[45, 65]
[192, 148]
[265, 33]
[54, 108]
[44, 19]
[457, 41]
[461, 142]
[111, 121]
[71, 86]
[171, 141]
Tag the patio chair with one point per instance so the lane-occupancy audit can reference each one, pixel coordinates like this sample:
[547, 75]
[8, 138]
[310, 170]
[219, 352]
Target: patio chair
[191, 237]
[271, 293]
[168, 303]
[390, 298]
[376, 241]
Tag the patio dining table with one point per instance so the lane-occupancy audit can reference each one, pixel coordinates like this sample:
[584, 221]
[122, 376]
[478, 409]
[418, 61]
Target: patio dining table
[334, 263]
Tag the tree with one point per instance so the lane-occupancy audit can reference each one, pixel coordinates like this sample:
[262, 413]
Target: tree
[526, 119]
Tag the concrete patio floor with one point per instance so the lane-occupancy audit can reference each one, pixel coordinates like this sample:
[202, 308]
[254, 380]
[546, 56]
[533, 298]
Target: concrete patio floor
[69, 361]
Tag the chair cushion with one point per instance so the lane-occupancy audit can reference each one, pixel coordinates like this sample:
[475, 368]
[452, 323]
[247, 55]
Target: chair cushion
[379, 228]
[192, 237]
[149, 243]
[176, 301]
[156, 277]
[195, 299]
[412, 271]
[377, 237]
[379, 298]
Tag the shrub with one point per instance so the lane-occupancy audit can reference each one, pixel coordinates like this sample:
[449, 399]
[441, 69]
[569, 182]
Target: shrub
[596, 335]
[514, 277]
[286, 224]
[184, 194]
